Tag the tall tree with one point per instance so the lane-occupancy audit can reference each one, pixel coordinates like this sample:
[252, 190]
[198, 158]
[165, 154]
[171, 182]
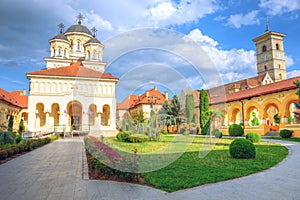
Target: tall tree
[138, 119]
[204, 117]
[123, 125]
[10, 123]
[165, 115]
[176, 111]
[21, 127]
[297, 105]
[189, 108]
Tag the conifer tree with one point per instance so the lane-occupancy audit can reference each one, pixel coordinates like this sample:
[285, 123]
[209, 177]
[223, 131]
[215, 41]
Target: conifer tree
[189, 108]
[204, 117]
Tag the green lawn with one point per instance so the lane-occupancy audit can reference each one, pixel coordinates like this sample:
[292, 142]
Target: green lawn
[284, 139]
[189, 170]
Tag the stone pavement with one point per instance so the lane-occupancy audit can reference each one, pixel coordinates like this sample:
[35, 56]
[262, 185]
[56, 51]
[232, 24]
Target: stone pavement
[58, 171]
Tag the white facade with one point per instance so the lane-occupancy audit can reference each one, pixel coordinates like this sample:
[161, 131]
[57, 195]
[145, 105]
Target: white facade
[67, 102]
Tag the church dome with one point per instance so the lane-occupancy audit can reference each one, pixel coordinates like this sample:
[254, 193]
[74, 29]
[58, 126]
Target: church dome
[60, 37]
[93, 40]
[79, 29]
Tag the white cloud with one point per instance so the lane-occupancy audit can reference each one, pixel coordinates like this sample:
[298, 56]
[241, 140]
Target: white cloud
[234, 64]
[240, 20]
[278, 7]
[162, 11]
[197, 36]
[289, 61]
[95, 20]
[293, 73]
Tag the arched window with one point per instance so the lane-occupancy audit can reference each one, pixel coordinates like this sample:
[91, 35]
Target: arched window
[265, 67]
[65, 53]
[280, 76]
[279, 66]
[94, 55]
[59, 51]
[78, 45]
[277, 46]
[71, 45]
[264, 48]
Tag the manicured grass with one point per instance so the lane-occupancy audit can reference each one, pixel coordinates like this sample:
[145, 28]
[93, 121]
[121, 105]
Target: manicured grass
[189, 170]
[284, 139]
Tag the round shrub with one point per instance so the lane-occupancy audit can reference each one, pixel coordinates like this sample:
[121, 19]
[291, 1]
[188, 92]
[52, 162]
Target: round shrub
[123, 136]
[285, 133]
[217, 133]
[236, 130]
[253, 137]
[16, 150]
[242, 149]
[164, 132]
[21, 148]
[138, 138]
[182, 130]
[18, 139]
[3, 155]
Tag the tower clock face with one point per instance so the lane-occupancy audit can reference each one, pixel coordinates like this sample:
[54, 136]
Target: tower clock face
[278, 56]
[264, 57]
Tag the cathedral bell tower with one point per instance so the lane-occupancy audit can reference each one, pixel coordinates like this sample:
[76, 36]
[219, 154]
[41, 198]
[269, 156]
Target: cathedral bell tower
[270, 54]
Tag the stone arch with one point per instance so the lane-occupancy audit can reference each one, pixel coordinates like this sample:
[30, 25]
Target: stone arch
[105, 115]
[74, 110]
[269, 111]
[236, 116]
[92, 113]
[40, 115]
[287, 102]
[55, 113]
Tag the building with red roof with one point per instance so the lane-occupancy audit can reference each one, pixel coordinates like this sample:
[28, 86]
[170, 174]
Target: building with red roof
[73, 93]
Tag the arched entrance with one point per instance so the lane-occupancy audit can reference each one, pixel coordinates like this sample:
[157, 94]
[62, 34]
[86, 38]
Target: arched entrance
[75, 115]
[55, 114]
[105, 115]
[236, 116]
[40, 115]
[269, 112]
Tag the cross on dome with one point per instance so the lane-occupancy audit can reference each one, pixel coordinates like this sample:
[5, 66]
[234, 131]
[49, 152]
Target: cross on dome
[61, 27]
[94, 30]
[80, 18]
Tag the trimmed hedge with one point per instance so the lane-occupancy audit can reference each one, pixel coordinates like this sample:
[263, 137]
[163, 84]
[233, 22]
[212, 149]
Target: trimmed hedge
[217, 133]
[138, 138]
[235, 130]
[285, 133]
[253, 137]
[164, 132]
[3, 155]
[242, 149]
[123, 136]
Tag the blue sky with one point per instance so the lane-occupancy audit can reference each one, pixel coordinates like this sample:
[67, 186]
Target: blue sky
[223, 29]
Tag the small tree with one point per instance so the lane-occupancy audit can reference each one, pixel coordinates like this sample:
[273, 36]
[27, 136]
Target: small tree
[176, 111]
[204, 117]
[165, 115]
[123, 125]
[21, 127]
[189, 108]
[139, 118]
[10, 124]
[129, 127]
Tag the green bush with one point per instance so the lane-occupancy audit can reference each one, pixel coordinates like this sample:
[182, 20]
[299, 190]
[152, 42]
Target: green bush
[164, 132]
[138, 138]
[236, 130]
[123, 136]
[3, 154]
[253, 137]
[242, 149]
[6, 138]
[15, 149]
[217, 133]
[10, 152]
[186, 133]
[182, 130]
[285, 133]
[18, 139]
[21, 148]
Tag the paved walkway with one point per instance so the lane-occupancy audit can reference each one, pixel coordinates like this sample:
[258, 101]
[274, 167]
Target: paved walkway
[58, 171]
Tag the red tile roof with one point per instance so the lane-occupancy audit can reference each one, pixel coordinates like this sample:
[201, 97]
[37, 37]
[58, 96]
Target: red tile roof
[76, 69]
[125, 104]
[257, 91]
[150, 96]
[15, 98]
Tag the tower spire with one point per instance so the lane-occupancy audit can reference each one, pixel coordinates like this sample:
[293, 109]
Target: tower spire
[267, 25]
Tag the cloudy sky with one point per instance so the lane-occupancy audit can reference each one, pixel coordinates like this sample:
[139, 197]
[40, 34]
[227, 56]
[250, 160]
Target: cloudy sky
[224, 30]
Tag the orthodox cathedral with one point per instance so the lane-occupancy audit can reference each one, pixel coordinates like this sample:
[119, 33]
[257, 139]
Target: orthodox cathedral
[73, 93]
